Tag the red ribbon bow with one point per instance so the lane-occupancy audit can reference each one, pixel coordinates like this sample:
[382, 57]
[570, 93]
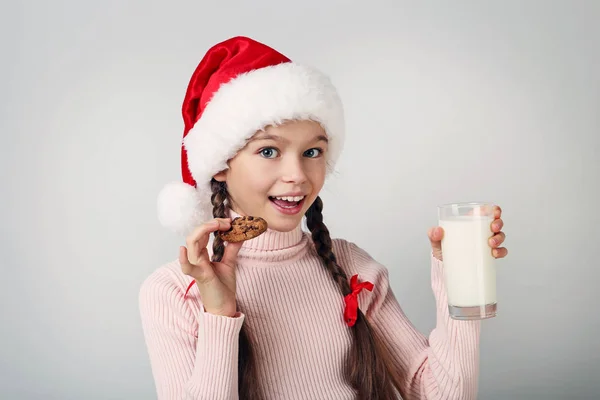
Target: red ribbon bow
[351, 311]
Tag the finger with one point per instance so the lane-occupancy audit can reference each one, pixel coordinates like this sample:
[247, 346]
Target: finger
[435, 237]
[198, 239]
[231, 252]
[210, 226]
[497, 212]
[500, 252]
[435, 233]
[497, 225]
[186, 267]
[497, 240]
[202, 272]
[198, 270]
[205, 267]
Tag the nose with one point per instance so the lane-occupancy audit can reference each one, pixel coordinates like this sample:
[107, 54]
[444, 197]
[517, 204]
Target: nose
[293, 170]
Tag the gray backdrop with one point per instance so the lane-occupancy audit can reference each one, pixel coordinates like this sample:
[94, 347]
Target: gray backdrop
[446, 101]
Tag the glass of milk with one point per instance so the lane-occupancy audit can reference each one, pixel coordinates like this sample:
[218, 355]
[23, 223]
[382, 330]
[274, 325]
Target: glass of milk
[469, 267]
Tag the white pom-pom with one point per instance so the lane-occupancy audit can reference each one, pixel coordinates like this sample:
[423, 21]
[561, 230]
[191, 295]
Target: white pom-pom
[181, 207]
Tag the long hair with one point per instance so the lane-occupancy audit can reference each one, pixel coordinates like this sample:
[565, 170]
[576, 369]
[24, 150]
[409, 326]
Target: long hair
[368, 368]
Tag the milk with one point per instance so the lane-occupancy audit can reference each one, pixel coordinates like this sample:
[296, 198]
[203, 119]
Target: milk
[468, 261]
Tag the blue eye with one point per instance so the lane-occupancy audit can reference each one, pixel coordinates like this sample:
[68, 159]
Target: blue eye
[313, 153]
[268, 152]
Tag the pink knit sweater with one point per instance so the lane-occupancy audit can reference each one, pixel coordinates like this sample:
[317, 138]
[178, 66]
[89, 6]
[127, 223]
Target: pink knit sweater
[294, 313]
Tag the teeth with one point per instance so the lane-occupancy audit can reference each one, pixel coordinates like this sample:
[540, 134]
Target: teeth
[290, 198]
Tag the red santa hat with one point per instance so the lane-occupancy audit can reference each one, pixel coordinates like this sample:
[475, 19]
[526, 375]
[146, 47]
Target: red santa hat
[239, 87]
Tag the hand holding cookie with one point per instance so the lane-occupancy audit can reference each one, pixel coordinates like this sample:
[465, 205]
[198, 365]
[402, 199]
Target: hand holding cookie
[216, 280]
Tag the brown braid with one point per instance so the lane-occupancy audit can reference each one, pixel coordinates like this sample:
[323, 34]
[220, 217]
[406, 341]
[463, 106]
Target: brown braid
[369, 371]
[248, 384]
[218, 199]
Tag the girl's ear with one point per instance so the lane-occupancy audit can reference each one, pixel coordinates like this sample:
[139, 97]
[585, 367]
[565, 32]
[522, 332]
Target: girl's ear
[221, 176]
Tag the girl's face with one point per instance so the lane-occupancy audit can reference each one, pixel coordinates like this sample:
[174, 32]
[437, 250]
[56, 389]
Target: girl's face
[278, 174]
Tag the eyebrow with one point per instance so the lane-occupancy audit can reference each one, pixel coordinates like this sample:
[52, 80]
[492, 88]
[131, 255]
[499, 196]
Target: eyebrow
[266, 136]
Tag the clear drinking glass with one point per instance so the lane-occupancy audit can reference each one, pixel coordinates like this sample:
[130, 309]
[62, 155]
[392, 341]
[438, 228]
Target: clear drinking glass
[469, 266]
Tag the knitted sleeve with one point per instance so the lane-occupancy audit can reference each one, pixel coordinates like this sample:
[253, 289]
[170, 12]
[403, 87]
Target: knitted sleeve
[444, 365]
[193, 354]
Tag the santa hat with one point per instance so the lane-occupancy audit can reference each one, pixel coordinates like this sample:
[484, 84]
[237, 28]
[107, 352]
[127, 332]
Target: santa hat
[240, 87]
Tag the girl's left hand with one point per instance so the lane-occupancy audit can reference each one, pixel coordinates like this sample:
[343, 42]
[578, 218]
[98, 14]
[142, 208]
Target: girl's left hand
[435, 237]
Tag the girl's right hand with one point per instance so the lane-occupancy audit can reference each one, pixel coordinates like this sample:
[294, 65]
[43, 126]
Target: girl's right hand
[216, 280]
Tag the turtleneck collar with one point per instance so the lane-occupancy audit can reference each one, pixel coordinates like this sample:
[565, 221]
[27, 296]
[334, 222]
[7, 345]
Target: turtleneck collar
[272, 245]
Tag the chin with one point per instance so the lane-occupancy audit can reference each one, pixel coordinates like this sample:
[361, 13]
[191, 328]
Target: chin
[284, 224]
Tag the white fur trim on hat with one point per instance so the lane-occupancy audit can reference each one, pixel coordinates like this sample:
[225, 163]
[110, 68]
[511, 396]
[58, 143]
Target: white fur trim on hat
[240, 108]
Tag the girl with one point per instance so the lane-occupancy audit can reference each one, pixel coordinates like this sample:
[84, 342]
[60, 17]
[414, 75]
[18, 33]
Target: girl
[288, 314]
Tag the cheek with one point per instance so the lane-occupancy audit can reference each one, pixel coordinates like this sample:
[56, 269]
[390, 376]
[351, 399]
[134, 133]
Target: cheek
[251, 181]
[259, 180]
[316, 175]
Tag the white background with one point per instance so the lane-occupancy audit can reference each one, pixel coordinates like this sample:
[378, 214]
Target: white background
[445, 101]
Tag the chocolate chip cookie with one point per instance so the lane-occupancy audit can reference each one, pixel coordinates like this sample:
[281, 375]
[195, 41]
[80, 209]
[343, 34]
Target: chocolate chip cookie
[244, 228]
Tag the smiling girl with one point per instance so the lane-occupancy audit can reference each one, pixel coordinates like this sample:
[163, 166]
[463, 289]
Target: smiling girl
[289, 314]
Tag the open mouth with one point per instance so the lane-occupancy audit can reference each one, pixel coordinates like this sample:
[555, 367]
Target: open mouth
[287, 204]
